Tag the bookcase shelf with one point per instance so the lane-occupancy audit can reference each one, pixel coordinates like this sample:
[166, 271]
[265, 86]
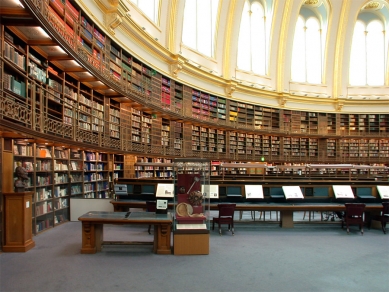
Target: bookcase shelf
[152, 113]
[96, 175]
[118, 166]
[150, 167]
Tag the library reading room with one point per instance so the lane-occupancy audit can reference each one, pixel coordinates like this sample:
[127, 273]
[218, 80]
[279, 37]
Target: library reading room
[141, 134]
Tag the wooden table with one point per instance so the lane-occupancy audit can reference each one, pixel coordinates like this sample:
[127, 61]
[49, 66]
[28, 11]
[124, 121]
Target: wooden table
[93, 222]
[286, 209]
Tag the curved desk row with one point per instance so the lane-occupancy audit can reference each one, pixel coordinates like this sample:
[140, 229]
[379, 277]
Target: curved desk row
[286, 209]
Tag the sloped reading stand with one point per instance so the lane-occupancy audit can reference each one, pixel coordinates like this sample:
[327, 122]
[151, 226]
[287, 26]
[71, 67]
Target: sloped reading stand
[191, 206]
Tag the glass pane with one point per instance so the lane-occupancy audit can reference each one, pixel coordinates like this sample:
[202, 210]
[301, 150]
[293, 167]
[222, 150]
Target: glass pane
[357, 61]
[375, 58]
[298, 55]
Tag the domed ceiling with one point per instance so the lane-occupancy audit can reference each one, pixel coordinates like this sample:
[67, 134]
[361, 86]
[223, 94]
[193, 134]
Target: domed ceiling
[160, 46]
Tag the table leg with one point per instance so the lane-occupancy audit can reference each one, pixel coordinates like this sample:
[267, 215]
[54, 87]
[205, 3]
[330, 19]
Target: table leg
[88, 238]
[99, 228]
[287, 219]
[162, 238]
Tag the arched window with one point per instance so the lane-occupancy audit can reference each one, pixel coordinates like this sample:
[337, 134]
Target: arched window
[199, 25]
[367, 59]
[253, 38]
[150, 8]
[307, 54]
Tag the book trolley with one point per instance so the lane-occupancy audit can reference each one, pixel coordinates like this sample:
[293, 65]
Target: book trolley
[191, 206]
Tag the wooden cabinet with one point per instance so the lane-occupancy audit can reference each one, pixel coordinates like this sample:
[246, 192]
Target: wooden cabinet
[17, 222]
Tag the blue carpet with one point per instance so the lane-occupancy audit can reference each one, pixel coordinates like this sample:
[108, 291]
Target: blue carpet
[260, 257]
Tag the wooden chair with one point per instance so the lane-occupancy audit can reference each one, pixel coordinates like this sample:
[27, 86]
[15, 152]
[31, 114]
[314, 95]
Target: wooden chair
[383, 217]
[353, 215]
[151, 206]
[226, 216]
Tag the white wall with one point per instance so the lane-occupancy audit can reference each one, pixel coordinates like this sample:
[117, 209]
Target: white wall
[79, 207]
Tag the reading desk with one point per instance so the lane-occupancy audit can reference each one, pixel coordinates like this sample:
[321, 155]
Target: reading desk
[93, 223]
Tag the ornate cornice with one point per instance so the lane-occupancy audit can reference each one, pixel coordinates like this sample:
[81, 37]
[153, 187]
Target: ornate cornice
[177, 65]
[339, 106]
[230, 88]
[282, 101]
[373, 5]
[313, 3]
[113, 15]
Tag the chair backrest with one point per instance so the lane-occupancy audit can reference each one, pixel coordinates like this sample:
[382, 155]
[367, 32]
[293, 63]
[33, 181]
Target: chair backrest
[354, 209]
[386, 208]
[226, 210]
[151, 206]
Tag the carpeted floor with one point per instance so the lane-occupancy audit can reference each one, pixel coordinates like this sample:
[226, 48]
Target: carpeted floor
[260, 257]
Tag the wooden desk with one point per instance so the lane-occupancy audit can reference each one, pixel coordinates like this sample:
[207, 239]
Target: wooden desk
[286, 209]
[93, 222]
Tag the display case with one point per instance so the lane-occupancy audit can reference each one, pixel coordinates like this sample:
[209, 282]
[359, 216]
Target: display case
[191, 206]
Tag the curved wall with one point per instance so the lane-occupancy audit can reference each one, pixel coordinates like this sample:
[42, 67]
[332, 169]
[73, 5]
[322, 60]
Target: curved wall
[152, 45]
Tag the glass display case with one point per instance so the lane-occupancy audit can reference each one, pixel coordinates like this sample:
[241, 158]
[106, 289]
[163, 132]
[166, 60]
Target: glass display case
[192, 189]
[191, 206]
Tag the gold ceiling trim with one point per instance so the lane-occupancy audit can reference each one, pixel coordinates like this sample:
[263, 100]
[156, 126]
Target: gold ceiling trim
[339, 48]
[313, 3]
[283, 42]
[172, 25]
[373, 5]
[226, 71]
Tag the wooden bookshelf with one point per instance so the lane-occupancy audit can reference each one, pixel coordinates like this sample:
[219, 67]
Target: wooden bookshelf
[130, 107]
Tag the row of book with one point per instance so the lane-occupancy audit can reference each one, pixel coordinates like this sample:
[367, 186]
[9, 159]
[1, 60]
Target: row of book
[43, 165]
[43, 224]
[13, 84]
[61, 203]
[23, 150]
[59, 165]
[60, 192]
[61, 178]
[89, 177]
[60, 218]
[11, 53]
[43, 208]
[76, 189]
[42, 194]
